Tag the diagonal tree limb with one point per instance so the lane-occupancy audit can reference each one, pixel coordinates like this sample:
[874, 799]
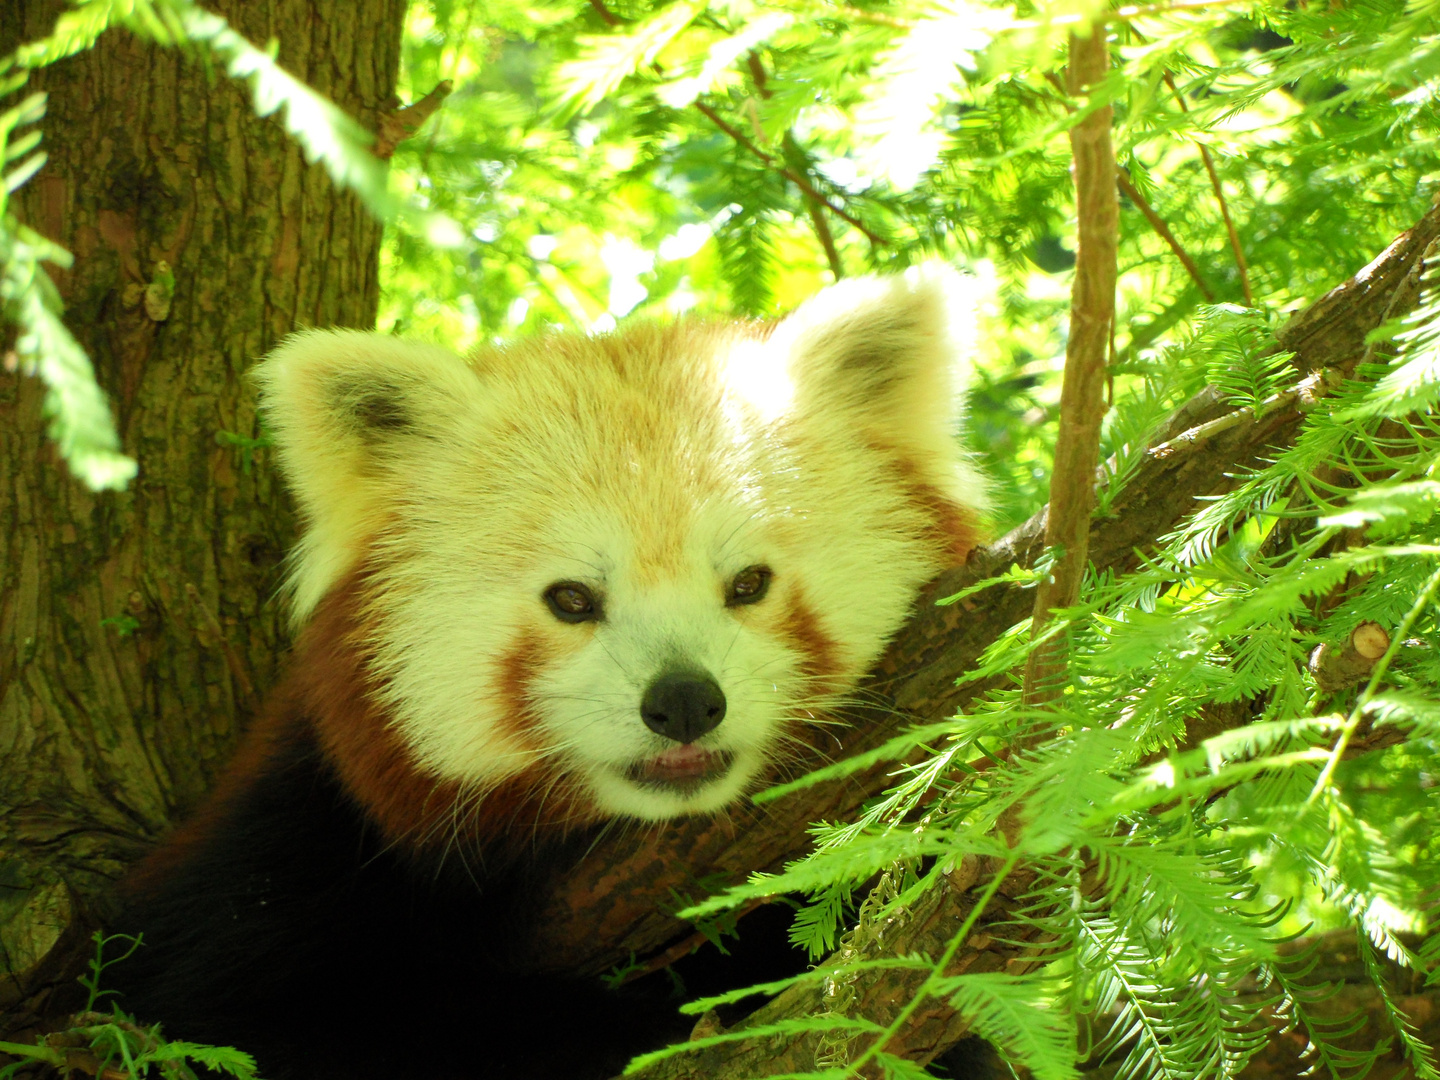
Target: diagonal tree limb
[1162, 230]
[616, 901]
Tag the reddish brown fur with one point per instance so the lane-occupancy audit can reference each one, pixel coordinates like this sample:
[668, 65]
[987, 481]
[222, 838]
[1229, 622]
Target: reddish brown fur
[332, 690]
[953, 529]
[802, 629]
[517, 669]
[375, 765]
[337, 691]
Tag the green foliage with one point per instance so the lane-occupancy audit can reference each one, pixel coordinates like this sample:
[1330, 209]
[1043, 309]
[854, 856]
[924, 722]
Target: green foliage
[95, 969]
[115, 1043]
[1167, 879]
[642, 158]
[124, 625]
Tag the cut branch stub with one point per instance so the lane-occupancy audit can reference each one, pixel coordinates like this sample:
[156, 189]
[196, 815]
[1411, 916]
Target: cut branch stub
[1335, 669]
[399, 124]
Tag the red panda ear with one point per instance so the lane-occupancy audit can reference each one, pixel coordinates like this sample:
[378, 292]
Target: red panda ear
[883, 361]
[891, 349]
[343, 406]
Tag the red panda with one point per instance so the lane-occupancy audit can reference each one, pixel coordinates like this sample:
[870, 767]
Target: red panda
[565, 581]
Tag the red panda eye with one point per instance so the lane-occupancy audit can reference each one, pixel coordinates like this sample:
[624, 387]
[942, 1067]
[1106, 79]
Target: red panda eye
[749, 586]
[571, 602]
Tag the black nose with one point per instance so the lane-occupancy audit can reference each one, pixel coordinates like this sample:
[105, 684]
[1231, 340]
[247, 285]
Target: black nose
[682, 705]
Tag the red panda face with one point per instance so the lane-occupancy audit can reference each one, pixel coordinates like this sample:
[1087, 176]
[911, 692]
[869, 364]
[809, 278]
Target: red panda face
[625, 570]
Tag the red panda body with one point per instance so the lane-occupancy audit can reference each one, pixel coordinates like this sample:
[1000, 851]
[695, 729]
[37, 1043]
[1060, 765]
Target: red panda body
[569, 581]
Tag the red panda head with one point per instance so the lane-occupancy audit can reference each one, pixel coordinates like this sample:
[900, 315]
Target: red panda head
[625, 567]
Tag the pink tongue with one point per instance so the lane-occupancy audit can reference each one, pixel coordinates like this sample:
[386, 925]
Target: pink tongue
[688, 756]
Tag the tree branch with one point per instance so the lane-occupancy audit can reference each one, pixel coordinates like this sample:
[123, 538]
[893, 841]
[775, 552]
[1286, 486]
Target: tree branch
[809, 189]
[1082, 394]
[1127, 186]
[796, 159]
[1220, 198]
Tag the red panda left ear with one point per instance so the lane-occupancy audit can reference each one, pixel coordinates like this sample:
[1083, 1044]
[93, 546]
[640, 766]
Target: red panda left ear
[347, 410]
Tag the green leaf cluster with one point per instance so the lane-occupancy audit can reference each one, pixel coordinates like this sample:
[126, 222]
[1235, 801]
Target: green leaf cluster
[115, 1044]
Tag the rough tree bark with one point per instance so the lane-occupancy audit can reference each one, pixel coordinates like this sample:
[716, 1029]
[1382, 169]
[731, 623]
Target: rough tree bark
[137, 629]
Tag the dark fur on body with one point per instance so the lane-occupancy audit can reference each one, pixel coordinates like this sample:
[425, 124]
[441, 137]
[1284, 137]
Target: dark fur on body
[284, 924]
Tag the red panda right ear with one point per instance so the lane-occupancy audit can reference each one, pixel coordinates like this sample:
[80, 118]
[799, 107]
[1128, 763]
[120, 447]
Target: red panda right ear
[886, 348]
[883, 360]
[344, 408]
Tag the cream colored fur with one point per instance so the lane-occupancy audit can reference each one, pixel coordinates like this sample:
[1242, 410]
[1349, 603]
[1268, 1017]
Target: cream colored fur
[652, 465]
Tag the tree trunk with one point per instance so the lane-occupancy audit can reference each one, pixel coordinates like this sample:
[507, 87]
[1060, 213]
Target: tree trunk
[138, 628]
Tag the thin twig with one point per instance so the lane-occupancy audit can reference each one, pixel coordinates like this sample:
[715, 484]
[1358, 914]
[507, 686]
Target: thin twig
[1220, 198]
[606, 15]
[1082, 394]
[827, 241]
[817, 217]
[796, 159]
[1163, 230]
[757, 73]
[799, 181]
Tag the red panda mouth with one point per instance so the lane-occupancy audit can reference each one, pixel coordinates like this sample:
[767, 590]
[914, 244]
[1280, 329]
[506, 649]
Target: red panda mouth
[683, 768]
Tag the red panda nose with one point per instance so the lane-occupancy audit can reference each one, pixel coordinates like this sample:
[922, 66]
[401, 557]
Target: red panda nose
[682, 705]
